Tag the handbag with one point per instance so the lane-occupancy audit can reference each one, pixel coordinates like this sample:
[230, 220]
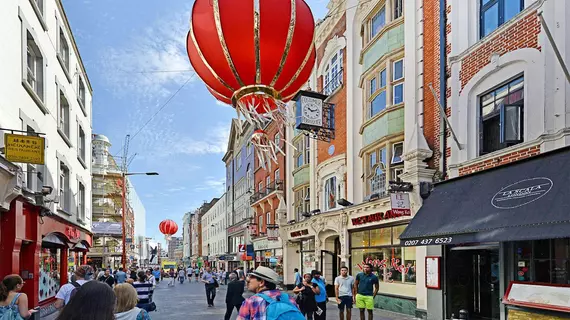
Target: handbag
[216, 284]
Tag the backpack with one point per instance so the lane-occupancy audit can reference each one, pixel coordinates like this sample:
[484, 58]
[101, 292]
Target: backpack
[281, 309]
[74, 291]
[11, 312]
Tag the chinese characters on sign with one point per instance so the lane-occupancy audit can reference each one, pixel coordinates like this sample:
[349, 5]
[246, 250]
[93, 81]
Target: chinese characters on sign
[24, 149]
[72, 233]
[401, 203]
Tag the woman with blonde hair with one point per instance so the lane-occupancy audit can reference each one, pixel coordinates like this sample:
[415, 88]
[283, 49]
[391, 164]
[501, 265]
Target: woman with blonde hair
[127, 300]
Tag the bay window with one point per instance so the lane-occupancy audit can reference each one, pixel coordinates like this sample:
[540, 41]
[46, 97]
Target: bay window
[385, 88]
[383, 164]
[301, 203]
[377, 22]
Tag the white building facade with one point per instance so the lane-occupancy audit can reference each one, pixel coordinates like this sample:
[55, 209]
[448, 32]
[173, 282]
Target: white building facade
[214, 241]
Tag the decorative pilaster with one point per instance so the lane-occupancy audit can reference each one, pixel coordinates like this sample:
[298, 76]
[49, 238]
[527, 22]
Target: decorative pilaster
[11, 180]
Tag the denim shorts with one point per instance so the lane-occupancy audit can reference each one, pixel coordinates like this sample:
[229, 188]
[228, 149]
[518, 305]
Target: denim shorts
[345, 301]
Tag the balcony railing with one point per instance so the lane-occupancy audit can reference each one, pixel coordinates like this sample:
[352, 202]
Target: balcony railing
[276, 185]
[333, 83]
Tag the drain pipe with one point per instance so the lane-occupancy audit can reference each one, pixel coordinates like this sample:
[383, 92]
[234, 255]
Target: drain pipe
[442, 83]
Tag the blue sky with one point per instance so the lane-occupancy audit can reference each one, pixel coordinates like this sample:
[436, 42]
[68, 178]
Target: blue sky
[123, 44]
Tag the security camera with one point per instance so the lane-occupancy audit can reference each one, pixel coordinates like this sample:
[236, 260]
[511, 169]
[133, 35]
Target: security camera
[46, 190]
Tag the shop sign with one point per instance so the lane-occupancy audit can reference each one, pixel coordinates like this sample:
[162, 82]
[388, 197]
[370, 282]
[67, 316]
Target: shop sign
[521, 193]
[299, 233]
[375, 217]
[24, 149]
[272, 232]
[222, 258]
[400, 202]
[265, 244]
[241, 248]
[268, 254]
[72, 233]
[235, 229]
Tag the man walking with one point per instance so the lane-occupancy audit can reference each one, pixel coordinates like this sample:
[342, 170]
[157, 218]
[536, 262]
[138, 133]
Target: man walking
[121, 276]
[321, 298]
[298, 278]
[366, 287]
[343, 286]
[107, 278]
[210, 285]
[234, 295]
[83, 274]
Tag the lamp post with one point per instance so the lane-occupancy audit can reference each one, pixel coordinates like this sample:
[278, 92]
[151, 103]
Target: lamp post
[124, 203]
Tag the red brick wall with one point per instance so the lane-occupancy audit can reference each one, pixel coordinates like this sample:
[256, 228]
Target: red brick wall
[522, 34]
[260, 175]
[501, 160]
[338, 99]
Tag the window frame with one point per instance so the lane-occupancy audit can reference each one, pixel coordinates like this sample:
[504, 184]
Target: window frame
[31, 48]
[383, 155]
[81, 143]
[399, 82]
[277, 175]
[395, 10]
[371, 33]
[63, 120]
[81, 201]
[64, 191]
[277, 139]
[333, 73]
[484, 7]
[64, 57]
[238, 160]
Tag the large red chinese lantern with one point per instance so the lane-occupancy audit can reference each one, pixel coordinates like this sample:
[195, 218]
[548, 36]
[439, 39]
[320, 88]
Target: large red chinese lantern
[168, 228]
[253, 54]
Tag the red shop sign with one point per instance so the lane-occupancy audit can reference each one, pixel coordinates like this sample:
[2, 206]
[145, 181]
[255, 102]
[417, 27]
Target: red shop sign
[72, 233]
[299, 233]
[379, 216]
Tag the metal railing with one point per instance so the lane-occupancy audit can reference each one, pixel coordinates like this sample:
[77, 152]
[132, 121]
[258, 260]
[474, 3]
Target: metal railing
[267, 190]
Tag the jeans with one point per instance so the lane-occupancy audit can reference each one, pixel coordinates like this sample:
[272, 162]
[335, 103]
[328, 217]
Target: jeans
[323, 306]
[229, 310]
[181, 280]
[210, 293]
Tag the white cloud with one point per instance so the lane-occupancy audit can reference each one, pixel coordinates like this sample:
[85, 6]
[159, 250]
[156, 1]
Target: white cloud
[213, 141]
[211, 183]
[176, 189]
[159, 47]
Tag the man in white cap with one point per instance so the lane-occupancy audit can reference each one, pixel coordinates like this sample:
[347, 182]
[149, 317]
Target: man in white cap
[268, 303]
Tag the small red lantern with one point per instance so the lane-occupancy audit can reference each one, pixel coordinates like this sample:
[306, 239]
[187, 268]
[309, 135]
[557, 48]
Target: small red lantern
[168, 228]
[253, 54]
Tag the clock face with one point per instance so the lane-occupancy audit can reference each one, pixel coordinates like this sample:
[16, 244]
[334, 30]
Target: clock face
[312, 109]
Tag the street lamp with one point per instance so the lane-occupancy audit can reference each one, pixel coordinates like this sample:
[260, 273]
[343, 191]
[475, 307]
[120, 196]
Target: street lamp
[124, 202]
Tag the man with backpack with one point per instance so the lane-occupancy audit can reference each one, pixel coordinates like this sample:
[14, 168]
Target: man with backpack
[268, 303]
[107, 278]
[83, 274]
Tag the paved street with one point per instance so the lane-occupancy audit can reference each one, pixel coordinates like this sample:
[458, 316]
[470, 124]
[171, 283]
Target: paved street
[188, 301]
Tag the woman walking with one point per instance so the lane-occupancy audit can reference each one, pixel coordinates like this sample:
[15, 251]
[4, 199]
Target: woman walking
[12, 300]
[93, 301]
[307, 291]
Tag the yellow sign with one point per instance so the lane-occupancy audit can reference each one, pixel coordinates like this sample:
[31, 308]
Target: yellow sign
[268, 254]
[25, 149]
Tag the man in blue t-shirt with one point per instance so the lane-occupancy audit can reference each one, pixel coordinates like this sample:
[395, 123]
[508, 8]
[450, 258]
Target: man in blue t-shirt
[321, 298]
[156, 274]
[298, 278]
[366, 285]
[121, 276]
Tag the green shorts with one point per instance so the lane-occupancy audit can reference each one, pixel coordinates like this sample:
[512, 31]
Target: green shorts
[364, 302]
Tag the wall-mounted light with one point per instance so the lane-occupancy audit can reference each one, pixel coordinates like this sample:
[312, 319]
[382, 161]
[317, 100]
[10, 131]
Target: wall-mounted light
[343, 202]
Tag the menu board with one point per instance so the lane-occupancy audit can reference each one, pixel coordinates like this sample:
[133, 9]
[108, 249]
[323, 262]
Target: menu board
[433, 273]
[538, 295]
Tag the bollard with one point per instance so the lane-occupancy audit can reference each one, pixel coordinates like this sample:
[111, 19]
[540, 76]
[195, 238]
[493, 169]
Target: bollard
[463, 314]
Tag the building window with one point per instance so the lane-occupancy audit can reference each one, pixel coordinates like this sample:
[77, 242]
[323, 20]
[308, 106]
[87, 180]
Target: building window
[302, 151]
[333, 74]
[238, 160]
[81, 92]
[330, 195]
[64, 187]
[63, 114]
[398, 81]
[380, 247]
[544, 261]
[268, 183]
[81, 202]
[382, 165]
[397, 152]
[277, 140]
[63, 52]
[301, 203]
[277, 176]
[496, 12]
[249, 149]
[260, 186]
[377, 22]
[81, 144]
[260, 223]
[377, 96]
[249, 177]
[39, 5]
[501, 117]
[267, 220]
[34, 75]
[398, 6]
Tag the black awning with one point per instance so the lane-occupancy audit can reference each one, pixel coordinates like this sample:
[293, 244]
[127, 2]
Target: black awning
[526, 200]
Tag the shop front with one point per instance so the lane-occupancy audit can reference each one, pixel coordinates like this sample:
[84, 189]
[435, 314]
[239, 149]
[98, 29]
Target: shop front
[40, 249]
[374, 238]
[269, 254]
[237, 245]
[498, 242]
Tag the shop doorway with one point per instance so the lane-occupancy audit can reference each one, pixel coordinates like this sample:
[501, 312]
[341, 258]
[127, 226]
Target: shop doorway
[330, 262]
[472, 281]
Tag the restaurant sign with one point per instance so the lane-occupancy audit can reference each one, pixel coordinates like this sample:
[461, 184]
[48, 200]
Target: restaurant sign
[379, 216]
[24, 149]
[400, 202]
[299, 233]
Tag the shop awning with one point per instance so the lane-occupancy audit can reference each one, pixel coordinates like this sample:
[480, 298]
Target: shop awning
[526, 200]
[52, 238]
